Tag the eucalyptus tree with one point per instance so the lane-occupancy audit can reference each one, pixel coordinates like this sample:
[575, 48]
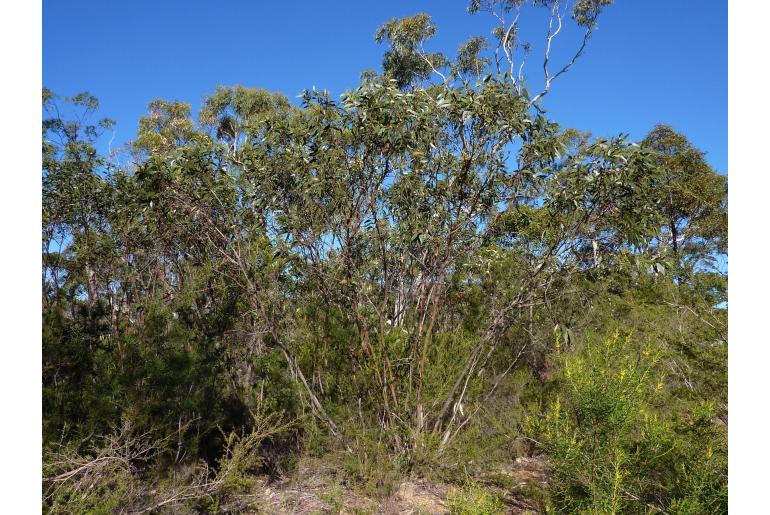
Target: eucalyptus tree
[371, 218]
[74, 200]
[382, 209]
[692, 193]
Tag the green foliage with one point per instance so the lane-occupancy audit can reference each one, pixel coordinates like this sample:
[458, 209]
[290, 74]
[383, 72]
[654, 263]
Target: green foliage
[370, 464]
[614, 444]
[166, 126]
[108, 477]
[103, 494]
[242, 458]
[692, 194]
[472, 499]
[404, 60]
[388, 269]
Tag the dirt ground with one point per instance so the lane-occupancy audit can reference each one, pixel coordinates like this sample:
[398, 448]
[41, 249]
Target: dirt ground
[314, 489]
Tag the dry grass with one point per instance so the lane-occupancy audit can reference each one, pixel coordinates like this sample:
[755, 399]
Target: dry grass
[316, 487]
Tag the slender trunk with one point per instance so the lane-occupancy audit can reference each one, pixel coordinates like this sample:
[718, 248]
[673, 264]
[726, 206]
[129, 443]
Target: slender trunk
[674, 236]
[91, 284]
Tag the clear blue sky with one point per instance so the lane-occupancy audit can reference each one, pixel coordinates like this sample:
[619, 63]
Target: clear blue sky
[651, 61]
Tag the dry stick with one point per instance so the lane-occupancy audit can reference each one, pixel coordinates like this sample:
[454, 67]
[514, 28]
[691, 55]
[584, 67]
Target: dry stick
[456, 386]
[658, 509]
[468, 375]
[183, 496]
[458, 406]
[70, 473]
[315, 403]
[448, 436]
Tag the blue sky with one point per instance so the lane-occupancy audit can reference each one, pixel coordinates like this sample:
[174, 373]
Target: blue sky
[651, 61]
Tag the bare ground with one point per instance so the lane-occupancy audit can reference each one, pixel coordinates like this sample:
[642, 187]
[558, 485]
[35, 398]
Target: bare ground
[317, 489]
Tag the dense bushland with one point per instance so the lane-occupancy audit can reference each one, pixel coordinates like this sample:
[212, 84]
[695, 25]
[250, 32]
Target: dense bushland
[425, 277]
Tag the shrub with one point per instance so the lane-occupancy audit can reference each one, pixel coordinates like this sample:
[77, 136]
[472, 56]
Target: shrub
[612, 450]
[116, 475]
[473, 499]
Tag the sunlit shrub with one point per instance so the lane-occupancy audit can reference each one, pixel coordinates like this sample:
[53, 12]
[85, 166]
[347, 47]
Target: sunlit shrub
[615, 446]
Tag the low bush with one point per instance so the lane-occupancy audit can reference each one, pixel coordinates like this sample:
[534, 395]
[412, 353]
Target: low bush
[616, 446]
[473, 499]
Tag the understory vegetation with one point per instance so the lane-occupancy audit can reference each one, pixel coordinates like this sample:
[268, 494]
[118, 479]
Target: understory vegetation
[426, 278]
